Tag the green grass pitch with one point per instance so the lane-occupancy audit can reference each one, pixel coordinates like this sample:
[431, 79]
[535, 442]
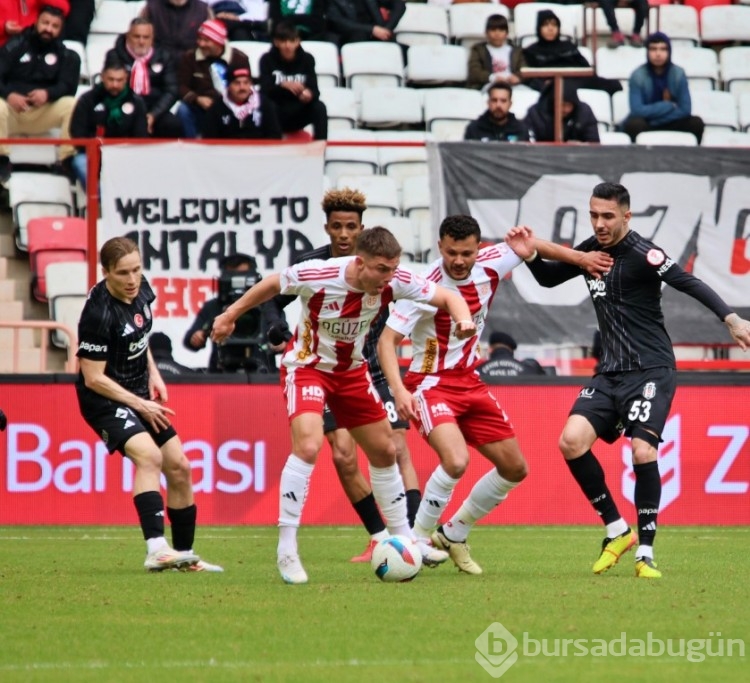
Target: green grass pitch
[76, 605]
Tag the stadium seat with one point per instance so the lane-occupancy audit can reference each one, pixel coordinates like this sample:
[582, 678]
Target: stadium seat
[35, 195]
[114, 16]
[666, 138]
[723, 137]
[522, 101]
[679, 22]
[448, 110]
[390, 107]
[327, 66]
[614, 137]
[468, 19]
[437, 64]
[342, 107]
[371, 64]
[67, 287]
[701, 66]
[348, 160]
[524, 21]
[600, 103]
[35, 155]
[725, 24]
[80, 50]
[716, 108]
[422, 25]
[402, 161]
[594, 17]
[619, 63]
[620, 105]
[735, 69]
[254, 49]
[743, 105]
[53, 240]
[416, 201]
[405, 232]
[381, 192]
[97, 47]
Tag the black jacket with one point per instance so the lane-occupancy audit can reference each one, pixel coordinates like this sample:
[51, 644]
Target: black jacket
[27, 63]
[580, 126]
[485, 129]
[90, 114]
[162, 73]
[263, 124]
[348, 17]
[274, 71]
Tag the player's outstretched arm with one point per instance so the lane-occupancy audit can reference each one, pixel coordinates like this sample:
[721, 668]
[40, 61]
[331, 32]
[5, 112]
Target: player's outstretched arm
[259, 293]
[93, 375]
[739, 328]
[406, 404]
[458, 310]
[157, 390]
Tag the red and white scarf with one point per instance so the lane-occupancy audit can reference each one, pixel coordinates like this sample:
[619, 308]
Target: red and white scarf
[140, 82]
[242, 111]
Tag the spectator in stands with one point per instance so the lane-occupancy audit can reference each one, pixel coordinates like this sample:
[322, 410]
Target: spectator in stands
[578, 120]
[503, 363]
[110, 110]
[161, 351]
[640, 7]
[659, 94]
[496, 60]
[271, 315]
[307, 15]
[152, 75]
[201, 75]
[356, 21]
[244, 19]
[498, 124]
[15, 16]
[243, 113]
[552, 51]
[176, 23]
[38, 82]
[78, 21]
[287, 77]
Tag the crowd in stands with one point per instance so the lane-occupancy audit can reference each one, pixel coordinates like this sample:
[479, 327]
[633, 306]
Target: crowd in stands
[178, 56]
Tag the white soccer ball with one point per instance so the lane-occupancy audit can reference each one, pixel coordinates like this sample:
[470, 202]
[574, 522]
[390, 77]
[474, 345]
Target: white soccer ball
[396, 559]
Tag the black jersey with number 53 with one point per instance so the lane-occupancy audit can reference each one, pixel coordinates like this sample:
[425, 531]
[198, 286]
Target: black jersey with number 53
[116, 332]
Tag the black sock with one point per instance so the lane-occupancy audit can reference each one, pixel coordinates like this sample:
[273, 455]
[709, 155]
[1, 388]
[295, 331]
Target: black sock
[413, 499]
[590, 477]
[150, 507]
[647, 498]
[368, 512]
[183, 526]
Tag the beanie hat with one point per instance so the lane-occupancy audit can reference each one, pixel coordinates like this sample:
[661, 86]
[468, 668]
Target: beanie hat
[504, 339]
[238, 72]
[214, 30]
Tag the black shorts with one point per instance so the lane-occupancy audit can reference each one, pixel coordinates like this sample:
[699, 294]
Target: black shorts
[329, 419]
[115, 423]
[618, 402]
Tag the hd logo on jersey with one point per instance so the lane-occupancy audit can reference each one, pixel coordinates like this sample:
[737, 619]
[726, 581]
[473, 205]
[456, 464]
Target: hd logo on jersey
[649, 390]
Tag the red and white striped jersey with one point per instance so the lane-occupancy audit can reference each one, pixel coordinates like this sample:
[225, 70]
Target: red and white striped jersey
[335, 317]
[434, 347]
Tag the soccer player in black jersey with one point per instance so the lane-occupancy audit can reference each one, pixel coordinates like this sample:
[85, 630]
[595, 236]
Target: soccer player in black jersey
[633, 389]
[122, 397]
[343, 209]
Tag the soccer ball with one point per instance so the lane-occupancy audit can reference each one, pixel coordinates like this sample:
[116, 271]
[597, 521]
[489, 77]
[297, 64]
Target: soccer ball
[396, 559]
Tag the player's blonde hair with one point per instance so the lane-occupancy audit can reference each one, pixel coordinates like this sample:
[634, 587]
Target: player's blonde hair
[114, 249]
[345, 199]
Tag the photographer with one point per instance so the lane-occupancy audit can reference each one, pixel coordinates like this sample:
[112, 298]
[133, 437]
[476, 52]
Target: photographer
[247, 348]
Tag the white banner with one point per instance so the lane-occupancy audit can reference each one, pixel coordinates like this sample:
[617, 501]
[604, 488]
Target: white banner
[188, 205]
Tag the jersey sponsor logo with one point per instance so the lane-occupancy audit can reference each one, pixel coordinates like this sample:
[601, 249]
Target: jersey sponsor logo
[587, 392]
[139, 345]
[597, 288]
[128, 329]
[92, 348]
[655, 257]
[344, 330]
[667, 265]
[430, 355]
[441, 410]
[313, 392]
[649, 390]
[138, 320]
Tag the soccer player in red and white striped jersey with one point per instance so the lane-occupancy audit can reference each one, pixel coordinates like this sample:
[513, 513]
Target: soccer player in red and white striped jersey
[323, 364]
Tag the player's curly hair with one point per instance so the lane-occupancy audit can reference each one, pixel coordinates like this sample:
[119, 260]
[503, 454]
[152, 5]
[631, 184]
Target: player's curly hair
[460, 227]
[344, 199]
[114, 249]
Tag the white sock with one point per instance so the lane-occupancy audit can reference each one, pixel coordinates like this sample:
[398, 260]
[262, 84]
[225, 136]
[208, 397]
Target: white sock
[645, 551]
[380, 535]
[154, 545]
[487, 494]
[617, 528]
[295, 481]
[388, 489]
[437, 494]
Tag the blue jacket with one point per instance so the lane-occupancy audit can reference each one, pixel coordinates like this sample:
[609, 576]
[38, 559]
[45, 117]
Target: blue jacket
[658, 112]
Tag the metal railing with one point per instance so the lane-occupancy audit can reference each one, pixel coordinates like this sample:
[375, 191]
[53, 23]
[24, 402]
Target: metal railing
[71, 362]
